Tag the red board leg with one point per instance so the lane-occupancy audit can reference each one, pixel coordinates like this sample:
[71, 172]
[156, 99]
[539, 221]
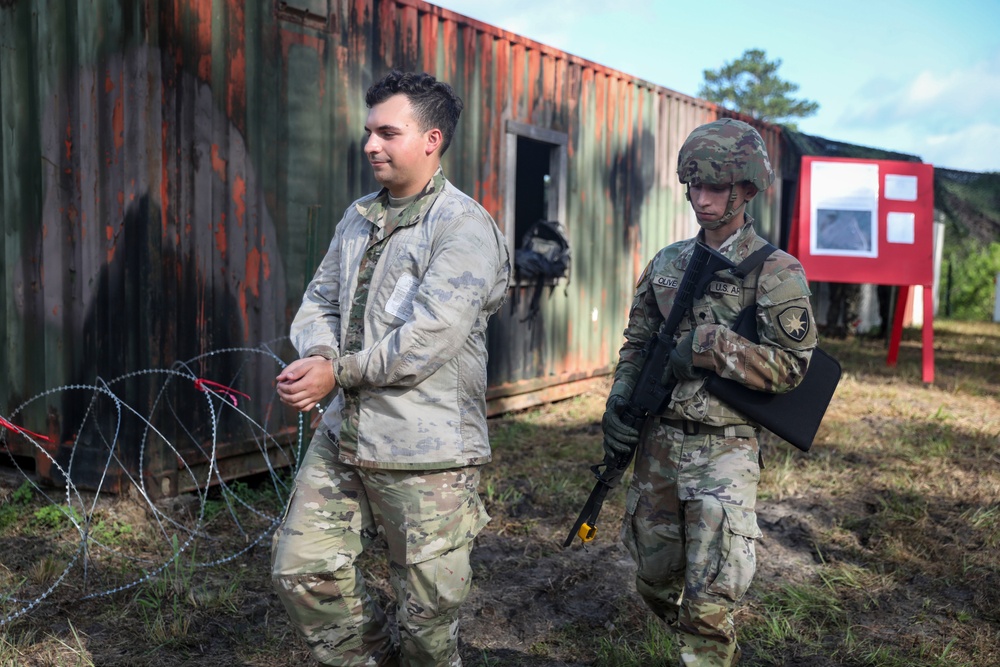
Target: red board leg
[928, 340]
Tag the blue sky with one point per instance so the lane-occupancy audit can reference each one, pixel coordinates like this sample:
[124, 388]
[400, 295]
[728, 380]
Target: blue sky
[920, 77]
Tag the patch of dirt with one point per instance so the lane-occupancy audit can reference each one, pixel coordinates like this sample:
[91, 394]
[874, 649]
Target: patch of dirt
[928, 580]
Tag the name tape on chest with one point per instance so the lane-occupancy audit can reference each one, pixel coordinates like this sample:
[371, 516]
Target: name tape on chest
[717, 287]
[666, 281]
[724, 288]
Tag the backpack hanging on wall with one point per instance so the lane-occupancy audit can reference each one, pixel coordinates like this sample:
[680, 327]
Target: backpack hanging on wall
[544, 256]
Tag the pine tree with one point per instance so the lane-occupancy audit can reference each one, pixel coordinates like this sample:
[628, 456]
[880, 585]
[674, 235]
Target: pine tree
[751, 85]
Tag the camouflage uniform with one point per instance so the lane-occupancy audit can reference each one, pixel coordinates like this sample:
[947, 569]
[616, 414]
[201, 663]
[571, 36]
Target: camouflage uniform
[399, 449]
[690, 522]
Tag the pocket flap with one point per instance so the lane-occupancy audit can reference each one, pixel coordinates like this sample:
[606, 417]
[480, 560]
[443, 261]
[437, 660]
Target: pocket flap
[631, 500]
[742, 521]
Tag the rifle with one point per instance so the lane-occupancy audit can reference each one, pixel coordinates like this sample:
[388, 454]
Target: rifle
[650, 395]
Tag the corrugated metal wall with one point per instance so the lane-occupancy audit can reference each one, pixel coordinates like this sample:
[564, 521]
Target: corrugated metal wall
[171, 172]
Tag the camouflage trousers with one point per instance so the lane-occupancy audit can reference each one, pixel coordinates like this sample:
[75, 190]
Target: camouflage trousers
[690, 526]
[428, 519]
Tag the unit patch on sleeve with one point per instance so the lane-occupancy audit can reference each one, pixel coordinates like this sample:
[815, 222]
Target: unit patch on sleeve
[794, 321]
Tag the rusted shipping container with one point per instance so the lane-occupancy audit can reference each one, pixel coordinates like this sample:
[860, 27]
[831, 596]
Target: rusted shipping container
[171, 173]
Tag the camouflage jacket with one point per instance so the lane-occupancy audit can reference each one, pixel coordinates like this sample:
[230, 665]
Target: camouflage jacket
[784, 323]
[403, 318]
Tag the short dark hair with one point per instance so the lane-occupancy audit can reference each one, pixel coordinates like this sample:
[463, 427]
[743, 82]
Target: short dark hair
[434, 102]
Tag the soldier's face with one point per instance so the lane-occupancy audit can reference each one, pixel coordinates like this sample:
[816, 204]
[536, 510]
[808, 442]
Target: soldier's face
[401, 154]
[711, 202]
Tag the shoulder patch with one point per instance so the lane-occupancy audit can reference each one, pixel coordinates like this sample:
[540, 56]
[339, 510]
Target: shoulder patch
[644, 274]
[794, 322]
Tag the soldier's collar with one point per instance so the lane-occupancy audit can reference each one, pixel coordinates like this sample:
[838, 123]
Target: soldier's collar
[374, 209]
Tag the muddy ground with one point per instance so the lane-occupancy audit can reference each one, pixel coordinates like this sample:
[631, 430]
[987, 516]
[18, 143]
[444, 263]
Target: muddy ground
[536, 604]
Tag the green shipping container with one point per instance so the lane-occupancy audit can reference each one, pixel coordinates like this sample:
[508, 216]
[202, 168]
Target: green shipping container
[171, 172]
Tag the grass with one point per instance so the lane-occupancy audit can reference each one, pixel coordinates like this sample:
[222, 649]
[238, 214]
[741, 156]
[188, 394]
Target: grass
[654, 646]
[880, 545]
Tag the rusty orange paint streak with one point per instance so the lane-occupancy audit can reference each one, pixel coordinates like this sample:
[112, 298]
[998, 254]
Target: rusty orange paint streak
[205, 67]
[203, 35]
[118, 123]
[548, 87]
[409, 19]
[515, 75]
[486, 186]
[360, 17]
[239, 199]
[534, 67]
[218, 163]
[387, 32]
[237, 85]
[109, 233]
[559, 83]
[428, 37]
[253, 272]
[630, 103]
[69, 140]
[220, 235]
[450, 45]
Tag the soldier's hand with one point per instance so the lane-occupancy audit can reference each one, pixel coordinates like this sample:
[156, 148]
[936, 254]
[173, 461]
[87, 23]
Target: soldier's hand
[620, 439]
[305, 382]
[681, 364]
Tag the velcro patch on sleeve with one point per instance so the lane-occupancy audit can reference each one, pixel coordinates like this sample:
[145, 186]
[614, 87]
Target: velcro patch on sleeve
[781, 288]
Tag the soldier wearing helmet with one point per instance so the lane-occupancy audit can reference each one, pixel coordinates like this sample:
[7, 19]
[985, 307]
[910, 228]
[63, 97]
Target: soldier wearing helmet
[690, 522]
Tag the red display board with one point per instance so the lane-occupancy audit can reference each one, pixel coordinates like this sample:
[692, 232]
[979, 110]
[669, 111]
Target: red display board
[866, 221]
[869, 221]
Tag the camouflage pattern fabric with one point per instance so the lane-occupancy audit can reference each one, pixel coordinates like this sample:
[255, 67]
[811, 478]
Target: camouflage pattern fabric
[784, 322]
[725, 152]
[428, 519]
[690, 520]
[690, 526]
[402, 313]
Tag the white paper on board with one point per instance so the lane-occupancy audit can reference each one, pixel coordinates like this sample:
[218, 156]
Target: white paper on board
[900, 188]
[899, 227]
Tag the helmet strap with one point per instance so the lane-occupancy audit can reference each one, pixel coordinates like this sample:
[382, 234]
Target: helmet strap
[727, 216]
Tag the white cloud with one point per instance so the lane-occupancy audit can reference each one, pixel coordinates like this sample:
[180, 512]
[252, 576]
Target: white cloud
[949, 118]
[973, 148]
[934, 100]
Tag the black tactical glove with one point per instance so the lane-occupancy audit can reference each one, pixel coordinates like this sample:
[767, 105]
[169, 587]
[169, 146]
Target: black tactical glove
[681, 364]
[619, 438]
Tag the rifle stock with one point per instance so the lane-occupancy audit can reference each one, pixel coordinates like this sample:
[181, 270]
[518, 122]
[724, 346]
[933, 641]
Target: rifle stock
[649, 395]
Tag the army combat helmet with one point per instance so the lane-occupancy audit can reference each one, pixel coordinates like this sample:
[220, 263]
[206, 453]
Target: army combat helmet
[724, 152]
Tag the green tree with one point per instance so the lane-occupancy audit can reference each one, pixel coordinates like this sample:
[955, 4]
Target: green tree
[751, 85]
[973, 268]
